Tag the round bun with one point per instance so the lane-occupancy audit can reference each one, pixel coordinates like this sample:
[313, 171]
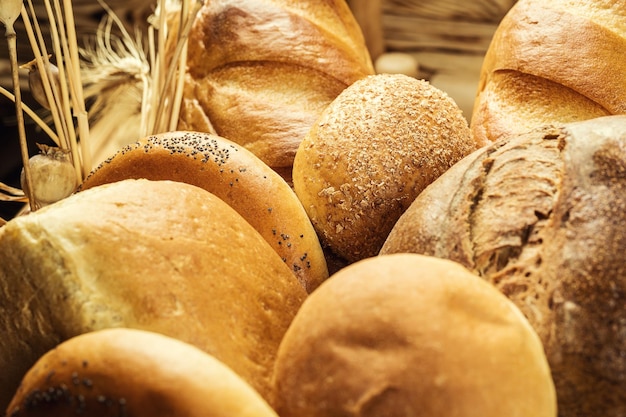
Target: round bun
[155, 255]
[233, 174]
[377, 146]
[405, 334]
[260, 72]
[126, 372]
[542, 216]
[531, 75]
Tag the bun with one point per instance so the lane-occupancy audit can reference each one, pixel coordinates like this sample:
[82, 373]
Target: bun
[260, 72]
[161, 256]
[530, 77]
[374, 148]
[130, 372]
[405, 334]
[233, 174]
[542, 216]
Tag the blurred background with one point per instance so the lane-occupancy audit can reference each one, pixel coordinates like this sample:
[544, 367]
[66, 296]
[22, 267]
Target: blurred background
[445, 40]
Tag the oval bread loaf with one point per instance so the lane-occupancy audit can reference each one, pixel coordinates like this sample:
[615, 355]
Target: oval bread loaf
[552, 62]
[261, 72]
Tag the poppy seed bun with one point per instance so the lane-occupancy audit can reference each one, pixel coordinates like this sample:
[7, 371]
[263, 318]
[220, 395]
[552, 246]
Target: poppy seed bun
[542, 216]
[162, 256]
[375, 147]
[126, 372]
[408, 335]
[233, 174]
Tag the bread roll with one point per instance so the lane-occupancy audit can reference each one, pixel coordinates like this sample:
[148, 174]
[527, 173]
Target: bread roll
[129, 372]
[235, 175]
[408, 335]
[261, 72]
[155, 255]
[549, 62]
[380, 143]
[542, 216]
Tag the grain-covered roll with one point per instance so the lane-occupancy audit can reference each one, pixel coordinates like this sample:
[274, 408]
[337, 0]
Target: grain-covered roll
[409, 335]
[552, 62]
[542, 216]
[130, 372]
[237, 176]
[162, 256]
[377, 146]
[260, 72]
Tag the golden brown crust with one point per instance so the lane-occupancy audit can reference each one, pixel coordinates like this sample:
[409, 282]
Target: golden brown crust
[263, 71]
[501, 110]
[405, 334]
[127, 372]
[235, 175]
[156, 255]
[566, 47]
[381, 142]
[541, 216]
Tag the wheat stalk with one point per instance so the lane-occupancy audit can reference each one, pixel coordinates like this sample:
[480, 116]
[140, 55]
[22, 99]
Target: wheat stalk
[9, 12]
[150, 83]
[68, 102]
[37, 43]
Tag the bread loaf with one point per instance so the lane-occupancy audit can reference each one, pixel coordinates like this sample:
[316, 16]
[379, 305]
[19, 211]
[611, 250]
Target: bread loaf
[237, 176]
[130, 372]
[261, 72]
[162, 256]
[553, 61]
[542, 216]
[375, 147]
[410, 335]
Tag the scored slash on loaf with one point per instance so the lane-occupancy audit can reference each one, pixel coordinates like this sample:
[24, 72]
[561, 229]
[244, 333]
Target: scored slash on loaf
[261, 72]
[552, 62]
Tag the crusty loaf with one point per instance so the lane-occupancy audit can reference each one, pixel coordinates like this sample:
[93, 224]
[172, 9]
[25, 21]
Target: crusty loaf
[411, 335]
[261, 72]
[373, 150]
[542, 216]
[552, 61]
[163, 256]
[234, 174]
[130, 372]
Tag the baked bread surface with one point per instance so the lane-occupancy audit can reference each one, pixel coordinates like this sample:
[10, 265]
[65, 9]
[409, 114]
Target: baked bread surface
[373, 150]
[260, 72]
[235, 175]
[406, 335]
[541, 216]
[567, 48]
[162, 256]
[130, 372]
